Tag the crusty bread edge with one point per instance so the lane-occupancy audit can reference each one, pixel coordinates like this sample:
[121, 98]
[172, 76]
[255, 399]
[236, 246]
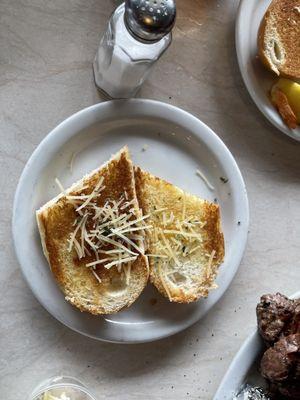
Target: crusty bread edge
[178, 296]
[41, 228]
[42, 210]
[260, 45]
[78, 184]
[203, 291]
[92, 309]
[277, 69]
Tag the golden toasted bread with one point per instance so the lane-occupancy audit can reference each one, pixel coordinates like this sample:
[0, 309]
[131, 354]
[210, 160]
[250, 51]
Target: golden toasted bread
[185, 245]
[279, 38]
[93, 239]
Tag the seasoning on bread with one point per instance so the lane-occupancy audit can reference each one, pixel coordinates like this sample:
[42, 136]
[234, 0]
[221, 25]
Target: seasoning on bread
[186, 245]
[93, 238]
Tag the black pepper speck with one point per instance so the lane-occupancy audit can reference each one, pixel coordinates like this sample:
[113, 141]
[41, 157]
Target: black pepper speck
[224, 180]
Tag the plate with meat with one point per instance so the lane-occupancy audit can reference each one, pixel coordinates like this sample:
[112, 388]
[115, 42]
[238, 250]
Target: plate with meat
[268, 363]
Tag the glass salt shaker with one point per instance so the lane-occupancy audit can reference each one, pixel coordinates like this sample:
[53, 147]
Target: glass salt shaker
[138, 33]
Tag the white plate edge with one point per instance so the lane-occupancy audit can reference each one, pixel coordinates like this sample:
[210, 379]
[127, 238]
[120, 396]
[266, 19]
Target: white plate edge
[53, 132]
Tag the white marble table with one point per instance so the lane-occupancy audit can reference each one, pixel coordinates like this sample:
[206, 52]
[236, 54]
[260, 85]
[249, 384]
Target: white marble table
[46, 49]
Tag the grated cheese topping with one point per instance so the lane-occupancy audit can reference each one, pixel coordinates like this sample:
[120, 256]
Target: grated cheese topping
[205, 180]
[60, 186]
[112, 233]
[164, 283]
[174, 239]
[96, 276]
[209, 264]
[72, 159]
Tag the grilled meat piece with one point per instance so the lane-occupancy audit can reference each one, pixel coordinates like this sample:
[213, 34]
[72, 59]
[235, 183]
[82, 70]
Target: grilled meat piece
[275, 316]
[280, 365]
[295, 323]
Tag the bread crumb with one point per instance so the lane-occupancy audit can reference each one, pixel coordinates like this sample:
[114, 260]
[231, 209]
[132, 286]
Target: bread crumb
[145, 147]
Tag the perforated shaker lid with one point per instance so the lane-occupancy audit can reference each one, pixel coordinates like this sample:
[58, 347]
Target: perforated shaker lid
[150, 20]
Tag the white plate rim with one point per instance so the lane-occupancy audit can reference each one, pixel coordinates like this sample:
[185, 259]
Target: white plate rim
[239, 27]
[206, 134]
[242, 362]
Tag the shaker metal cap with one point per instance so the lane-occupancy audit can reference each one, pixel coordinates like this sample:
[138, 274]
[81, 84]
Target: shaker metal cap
[150, 20]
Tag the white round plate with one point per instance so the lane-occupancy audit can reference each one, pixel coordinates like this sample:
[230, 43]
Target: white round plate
[244, 368]
[257, 78]
[178, 144]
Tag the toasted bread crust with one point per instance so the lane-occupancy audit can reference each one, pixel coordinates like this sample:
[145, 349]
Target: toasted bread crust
[155, 192]
[55, 221]
[261, 45]
[281, 25]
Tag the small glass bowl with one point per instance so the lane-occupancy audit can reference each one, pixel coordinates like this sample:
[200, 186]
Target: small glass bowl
[62, 387]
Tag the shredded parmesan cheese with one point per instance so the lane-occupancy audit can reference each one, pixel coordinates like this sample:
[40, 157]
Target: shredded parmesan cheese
[72, 161]
[163, 281]
[194, 249]
[209, 264]
[159, 210]
[92, 195]
[73, 235]
[206, 181]
[169, 249]
[60, 186]
[113, 232]
[96, 276]
[130, 242]
[185, 234]
[119, 262]
[156, 255]
[183, 207]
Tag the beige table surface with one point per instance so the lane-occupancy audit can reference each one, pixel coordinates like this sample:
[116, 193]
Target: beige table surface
[46, 50]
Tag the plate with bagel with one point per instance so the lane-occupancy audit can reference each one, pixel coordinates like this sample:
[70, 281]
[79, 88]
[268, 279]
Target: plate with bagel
[268, 53]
